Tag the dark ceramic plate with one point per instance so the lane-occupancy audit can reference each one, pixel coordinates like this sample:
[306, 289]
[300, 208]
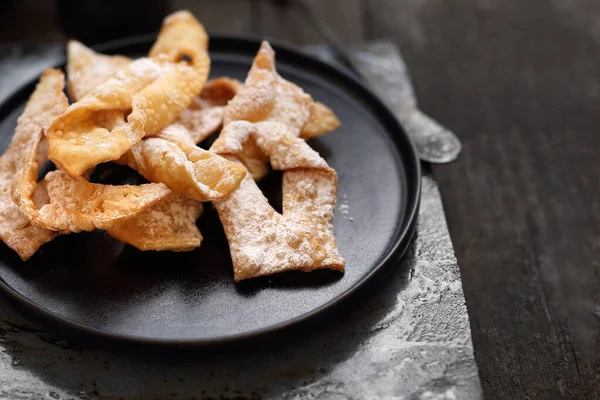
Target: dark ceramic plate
[90, 286]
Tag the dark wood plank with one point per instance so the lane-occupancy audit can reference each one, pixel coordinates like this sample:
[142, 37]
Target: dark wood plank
[519, 82]
[286, 23]
[218, 16]
[41, 18]
[29, 20]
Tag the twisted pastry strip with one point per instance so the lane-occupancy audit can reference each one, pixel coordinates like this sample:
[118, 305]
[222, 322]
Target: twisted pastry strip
[150, 92]
[262, 241]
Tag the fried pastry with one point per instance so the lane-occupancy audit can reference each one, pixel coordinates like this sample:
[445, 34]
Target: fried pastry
[174, 159]
[205, 115]
[159, 160]
[263, 123]
[155, 89]
[169, 224]
[46, 103]
[150, 114]
[86, 69]
[217, 92]
[321, 120]
[61, 203]
[262, 241]
[161, 227]
[266, 96]
[77, 205]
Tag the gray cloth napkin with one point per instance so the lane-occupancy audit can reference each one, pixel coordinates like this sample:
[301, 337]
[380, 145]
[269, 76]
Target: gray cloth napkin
[409, 340]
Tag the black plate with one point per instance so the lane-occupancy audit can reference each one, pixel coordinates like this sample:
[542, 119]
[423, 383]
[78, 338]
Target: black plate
[89, 284]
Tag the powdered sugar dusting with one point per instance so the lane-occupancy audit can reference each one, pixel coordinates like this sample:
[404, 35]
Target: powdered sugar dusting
[171, 223]
[87, 69]
[175, 214]
[144, 67]
[345, 208]
[266, 96]
[135, 77]
[168, 225]
[263, 123]
[261, 241]
[202, 123]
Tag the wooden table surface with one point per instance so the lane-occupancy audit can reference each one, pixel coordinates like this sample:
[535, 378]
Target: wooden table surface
[519, 82]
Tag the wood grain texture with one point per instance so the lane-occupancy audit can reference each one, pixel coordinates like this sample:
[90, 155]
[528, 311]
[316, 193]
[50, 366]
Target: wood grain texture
[344, 18]
[218, 16]
[519, 82]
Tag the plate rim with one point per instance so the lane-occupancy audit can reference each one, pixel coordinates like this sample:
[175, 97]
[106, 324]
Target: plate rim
[404, 145]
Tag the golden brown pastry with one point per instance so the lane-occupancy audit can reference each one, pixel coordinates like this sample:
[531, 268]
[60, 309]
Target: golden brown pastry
[262, 241]
[321, 120]
[46, 103]
[147, 95]
[163, 226]
[266, 96]
[170, 224]
[174, 159]
[61, 203]
[86, 69]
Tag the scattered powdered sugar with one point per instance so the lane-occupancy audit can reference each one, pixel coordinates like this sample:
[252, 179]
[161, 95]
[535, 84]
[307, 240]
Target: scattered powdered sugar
[233, 136]
[202, 123]
[344, 208]
[87, 69]
[174, 213]
[292, 105]
[262, 241]
[169, 224]
[264, 88]
[144, 67]
[102, 68]
[137, 74]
